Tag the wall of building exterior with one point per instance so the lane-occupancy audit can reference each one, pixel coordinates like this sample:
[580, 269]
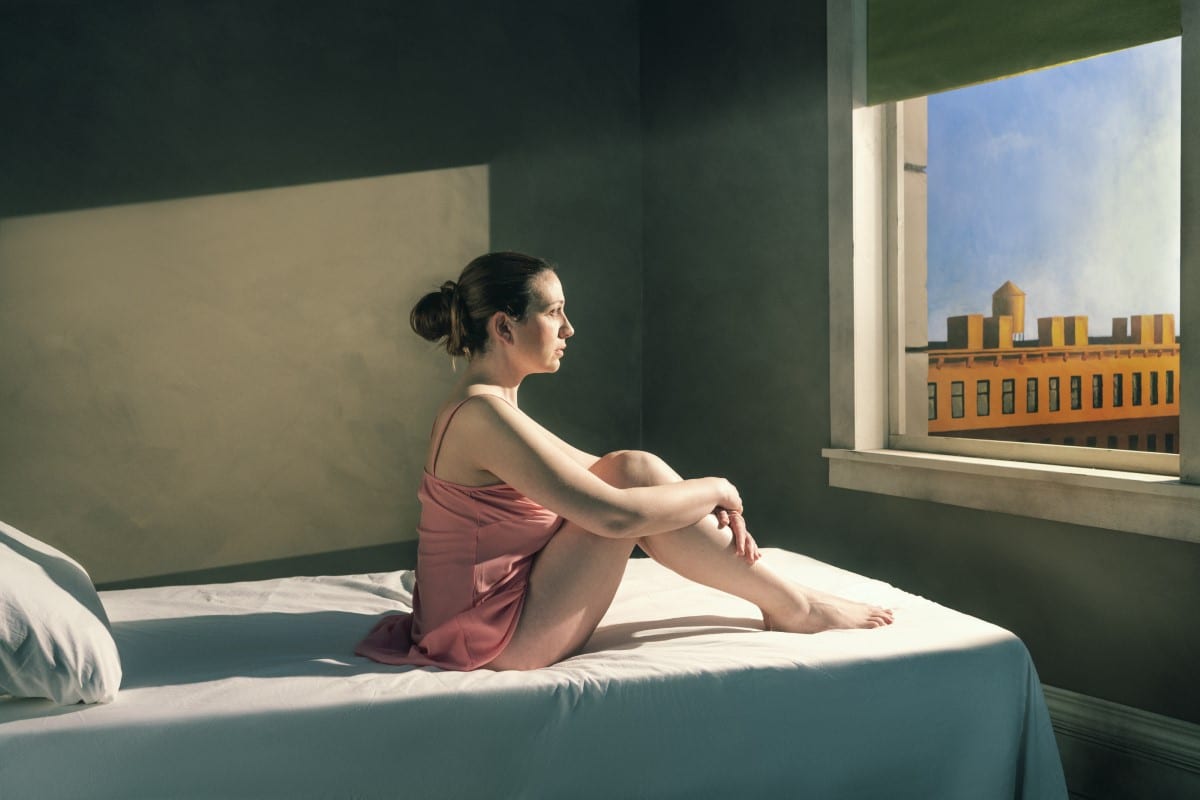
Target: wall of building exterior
[1044, 365]
[736, 366]
[113, 106]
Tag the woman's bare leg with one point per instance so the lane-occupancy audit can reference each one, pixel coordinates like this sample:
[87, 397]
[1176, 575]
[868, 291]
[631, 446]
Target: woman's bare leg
[577, 574]
[571, 587]
[705, 554]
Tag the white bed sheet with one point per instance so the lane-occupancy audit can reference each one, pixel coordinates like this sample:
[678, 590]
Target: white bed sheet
[252, 690]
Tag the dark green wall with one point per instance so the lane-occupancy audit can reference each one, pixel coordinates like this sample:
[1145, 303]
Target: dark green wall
[127, 102]
[737, 364]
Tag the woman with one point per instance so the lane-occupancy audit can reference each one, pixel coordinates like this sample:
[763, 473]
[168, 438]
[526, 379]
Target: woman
[524, 538]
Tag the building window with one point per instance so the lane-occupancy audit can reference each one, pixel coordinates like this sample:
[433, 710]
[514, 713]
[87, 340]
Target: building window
[1054, 394]
[1154, 388]
[1170, 386]
[932, 401]
[1091, 441]
[1031, 395]
[1076, 391]
[1135, 391]
[1069, 441]
[1118, 390]
[1152, 442]
[1112, 443]
[1097, 391]
[983, 398]
[1133, 441]
[1008, 391]
[956, 399]
[1169, 443]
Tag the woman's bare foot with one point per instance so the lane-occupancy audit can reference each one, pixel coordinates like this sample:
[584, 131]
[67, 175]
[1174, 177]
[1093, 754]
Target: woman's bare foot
[819, 611]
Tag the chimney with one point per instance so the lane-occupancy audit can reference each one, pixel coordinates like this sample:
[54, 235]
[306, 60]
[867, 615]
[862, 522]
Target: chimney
[1050, 332]
[1142, 329]
[965, 332]
[1075, 331]
[1120, 330]
[998, 332]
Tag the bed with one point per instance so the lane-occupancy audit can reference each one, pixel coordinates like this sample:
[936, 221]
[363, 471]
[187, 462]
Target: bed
[251, 690]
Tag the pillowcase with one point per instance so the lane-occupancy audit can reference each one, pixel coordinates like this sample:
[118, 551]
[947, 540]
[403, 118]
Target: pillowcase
[55, 639]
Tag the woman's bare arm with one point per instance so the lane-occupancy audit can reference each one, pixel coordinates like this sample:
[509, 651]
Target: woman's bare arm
[514, 448]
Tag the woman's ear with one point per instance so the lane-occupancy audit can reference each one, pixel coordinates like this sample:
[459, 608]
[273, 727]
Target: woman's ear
[500, 326]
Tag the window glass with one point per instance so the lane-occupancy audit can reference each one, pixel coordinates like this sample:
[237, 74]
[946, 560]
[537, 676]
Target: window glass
[1040, 191]
[956, 399]
[932, 401]
[983, 398]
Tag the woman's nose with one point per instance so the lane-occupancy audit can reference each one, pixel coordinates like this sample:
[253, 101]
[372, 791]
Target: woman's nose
[567, 331]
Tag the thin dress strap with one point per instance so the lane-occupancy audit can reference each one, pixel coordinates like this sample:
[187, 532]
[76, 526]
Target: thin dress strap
[437, 450]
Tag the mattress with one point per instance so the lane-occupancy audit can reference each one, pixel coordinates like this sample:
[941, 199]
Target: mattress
[252, 690]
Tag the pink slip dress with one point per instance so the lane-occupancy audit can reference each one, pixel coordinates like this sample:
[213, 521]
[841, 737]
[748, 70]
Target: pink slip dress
[475, 551]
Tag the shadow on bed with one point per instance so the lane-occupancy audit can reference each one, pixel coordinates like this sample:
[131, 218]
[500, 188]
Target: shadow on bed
[182, 650]
[630, 635]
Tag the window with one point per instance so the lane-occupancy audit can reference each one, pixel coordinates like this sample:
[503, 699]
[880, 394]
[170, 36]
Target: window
[1151, 442]
[1112, 443]
[1069, 441]
[1031, 395]
[1118, 390]
[1153, 388]
[1008, 396]
[1135, 391]
[1091, 441]
[1097, 391]
[1076, 391]
[956, 399]
[1170, 386]
[932, 401]
[879, 343]
[1133, 441]
[983, 404]
[1169, 443]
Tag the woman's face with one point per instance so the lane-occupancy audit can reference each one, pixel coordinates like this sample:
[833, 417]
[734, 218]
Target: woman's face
[542, 336]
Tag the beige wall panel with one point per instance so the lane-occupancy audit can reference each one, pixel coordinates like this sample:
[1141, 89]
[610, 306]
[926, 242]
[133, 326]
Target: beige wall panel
[229, 378]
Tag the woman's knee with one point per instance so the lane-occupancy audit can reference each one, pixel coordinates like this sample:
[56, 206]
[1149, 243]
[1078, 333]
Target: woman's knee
[627, 468]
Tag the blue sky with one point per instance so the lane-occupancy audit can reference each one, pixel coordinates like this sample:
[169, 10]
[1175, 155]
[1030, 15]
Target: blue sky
[1064, 181]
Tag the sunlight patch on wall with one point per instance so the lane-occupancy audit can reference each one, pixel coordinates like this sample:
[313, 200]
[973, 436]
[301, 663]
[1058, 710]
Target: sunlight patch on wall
[229, 378]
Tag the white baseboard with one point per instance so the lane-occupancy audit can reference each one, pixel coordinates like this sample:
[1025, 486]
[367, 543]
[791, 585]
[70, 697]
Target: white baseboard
[1114, 751]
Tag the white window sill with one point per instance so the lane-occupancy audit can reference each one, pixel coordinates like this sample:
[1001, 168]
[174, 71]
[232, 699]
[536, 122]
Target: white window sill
[1154, 505]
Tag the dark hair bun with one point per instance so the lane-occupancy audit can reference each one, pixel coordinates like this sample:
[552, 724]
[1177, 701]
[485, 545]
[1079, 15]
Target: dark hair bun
[430, 317]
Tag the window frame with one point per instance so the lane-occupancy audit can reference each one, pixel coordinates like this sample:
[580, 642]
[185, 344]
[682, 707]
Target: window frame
[877, 337]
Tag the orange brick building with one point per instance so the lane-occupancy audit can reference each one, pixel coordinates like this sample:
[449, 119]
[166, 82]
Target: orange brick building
[1117, 392]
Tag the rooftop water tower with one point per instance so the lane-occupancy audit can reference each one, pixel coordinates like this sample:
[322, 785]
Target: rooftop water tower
[1009, 300]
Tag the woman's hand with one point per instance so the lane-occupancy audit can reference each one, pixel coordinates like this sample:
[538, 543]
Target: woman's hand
[743, 543]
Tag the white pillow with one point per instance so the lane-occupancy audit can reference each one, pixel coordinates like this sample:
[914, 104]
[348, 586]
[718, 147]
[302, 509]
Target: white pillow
[55, 639]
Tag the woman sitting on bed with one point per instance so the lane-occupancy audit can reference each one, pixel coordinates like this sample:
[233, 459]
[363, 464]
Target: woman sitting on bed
[524, 538]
